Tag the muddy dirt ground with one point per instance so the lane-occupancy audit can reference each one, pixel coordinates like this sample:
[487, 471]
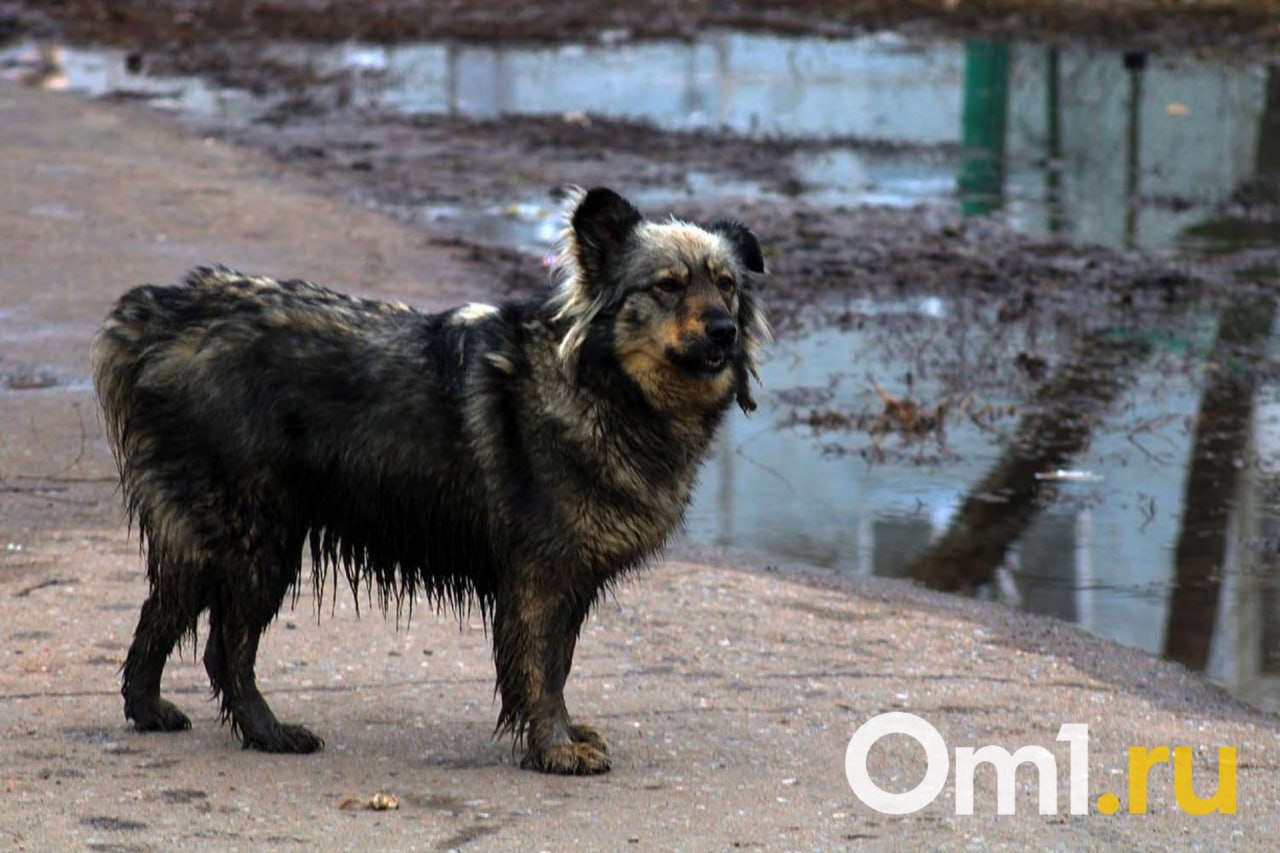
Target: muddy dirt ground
[148, 25]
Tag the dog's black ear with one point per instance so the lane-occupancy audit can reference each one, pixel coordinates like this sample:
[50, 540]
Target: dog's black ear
[743, 241]
[601, 223]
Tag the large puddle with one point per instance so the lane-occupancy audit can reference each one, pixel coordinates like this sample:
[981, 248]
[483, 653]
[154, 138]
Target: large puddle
[1100, 536]
[1096, 146]
[1024, 499]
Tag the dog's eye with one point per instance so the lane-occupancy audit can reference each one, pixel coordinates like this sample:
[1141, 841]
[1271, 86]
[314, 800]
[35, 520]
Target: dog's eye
[668, 285]
[725, 283]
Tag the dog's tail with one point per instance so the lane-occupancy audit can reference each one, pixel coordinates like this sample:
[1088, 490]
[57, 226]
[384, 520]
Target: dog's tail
[119, 353]
[133, 338]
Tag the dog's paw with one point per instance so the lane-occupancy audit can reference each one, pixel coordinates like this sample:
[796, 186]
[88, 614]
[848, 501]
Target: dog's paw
[157, 716]
[589, 737]
[569, 759]
[285, 738]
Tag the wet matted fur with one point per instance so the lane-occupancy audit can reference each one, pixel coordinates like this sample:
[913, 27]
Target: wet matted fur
[520, 458]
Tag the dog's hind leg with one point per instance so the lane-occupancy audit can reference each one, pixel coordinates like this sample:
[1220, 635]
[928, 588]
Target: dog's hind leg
[534, 636]
[164, 619]
[236, 623]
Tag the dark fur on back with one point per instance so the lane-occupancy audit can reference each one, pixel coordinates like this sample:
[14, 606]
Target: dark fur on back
[519, 457]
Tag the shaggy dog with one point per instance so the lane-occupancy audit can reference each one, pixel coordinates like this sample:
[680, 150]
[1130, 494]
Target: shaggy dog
[521, 457]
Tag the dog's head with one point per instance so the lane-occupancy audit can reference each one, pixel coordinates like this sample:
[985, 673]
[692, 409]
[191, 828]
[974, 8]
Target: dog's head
[675, 302]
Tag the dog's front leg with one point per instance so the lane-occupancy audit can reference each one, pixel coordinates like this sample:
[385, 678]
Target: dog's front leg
[535, 629]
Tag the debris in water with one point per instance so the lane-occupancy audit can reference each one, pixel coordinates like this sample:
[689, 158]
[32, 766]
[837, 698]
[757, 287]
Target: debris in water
[1069, 475]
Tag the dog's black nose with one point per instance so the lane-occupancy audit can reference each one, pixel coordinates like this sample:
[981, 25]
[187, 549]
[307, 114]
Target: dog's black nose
[722, 332]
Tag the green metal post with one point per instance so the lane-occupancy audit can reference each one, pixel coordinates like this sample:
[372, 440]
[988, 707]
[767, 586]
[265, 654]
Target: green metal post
[986, 102]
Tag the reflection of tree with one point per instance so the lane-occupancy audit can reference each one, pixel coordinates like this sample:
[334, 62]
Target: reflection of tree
[999, 509]
[1251, 217]
[1267, 155]
[1135, 62]
[1226, 410]
[1217, 462]
[1053, 141]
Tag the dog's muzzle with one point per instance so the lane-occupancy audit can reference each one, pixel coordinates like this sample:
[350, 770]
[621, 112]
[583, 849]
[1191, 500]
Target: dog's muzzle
[711, 352]
[714, 351]
[722, 333]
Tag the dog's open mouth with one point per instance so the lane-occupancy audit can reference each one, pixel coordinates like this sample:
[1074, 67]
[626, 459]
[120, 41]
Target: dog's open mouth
[701, 362]
[703, 365]
[714, 360]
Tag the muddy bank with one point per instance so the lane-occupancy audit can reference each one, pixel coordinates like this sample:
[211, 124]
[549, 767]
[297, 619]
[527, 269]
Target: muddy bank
[179, 26]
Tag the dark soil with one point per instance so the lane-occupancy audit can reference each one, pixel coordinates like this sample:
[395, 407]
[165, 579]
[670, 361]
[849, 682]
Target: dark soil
[219, 38]
[166, 24]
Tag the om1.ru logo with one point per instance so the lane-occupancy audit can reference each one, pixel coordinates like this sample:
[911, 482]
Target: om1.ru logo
[1006, 764]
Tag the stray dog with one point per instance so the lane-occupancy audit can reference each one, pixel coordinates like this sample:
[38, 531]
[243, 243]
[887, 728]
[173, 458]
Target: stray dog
[522, 457]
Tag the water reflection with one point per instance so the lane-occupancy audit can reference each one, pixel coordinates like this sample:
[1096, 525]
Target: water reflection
[1215, 490]
[109, 72]
[1032, 130]
[1135, 494]
[1001, 505]
[1093, 145]
[986, 104]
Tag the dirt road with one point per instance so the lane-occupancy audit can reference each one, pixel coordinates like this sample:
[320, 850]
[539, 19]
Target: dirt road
[728, 694]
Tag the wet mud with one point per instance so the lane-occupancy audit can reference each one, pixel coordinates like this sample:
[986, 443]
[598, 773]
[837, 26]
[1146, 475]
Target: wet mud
[193, 23]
